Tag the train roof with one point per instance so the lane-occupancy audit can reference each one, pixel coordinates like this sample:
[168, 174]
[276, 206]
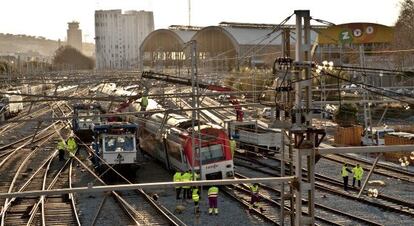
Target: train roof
[172, 120]
[116, 128]
[87, 106]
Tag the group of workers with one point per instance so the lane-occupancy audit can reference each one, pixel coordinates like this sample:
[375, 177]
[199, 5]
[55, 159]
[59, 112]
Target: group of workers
[212, 193]
[184, 177]
[357, 171]
[69, 146]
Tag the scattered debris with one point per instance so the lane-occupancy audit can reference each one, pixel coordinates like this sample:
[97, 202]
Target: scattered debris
[376, 183]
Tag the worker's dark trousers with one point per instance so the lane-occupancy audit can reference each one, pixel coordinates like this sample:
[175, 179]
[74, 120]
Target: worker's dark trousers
[61, 155]
[353, 182]
[196, 207]
[345, 183]
[187, 193]
[212, 202]
[254, 198]
[178, 192]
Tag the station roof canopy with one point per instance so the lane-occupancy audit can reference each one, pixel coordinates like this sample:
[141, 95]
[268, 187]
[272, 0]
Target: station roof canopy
[171, 40]
[238, 33]
[226, 45]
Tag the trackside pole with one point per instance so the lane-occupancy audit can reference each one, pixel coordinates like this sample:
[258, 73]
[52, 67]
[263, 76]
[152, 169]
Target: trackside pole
[369, 174]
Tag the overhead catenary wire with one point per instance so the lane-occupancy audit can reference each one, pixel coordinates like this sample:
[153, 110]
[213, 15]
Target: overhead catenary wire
[364, 86]
[277, 27]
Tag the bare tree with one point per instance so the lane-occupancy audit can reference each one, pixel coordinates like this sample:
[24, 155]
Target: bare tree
[404, 35]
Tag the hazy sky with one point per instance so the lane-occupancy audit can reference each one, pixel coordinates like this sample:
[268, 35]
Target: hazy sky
[49, 18]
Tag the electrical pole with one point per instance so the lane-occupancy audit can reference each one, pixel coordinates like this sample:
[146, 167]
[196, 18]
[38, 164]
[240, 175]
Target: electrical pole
[367, 107]
[306, 137]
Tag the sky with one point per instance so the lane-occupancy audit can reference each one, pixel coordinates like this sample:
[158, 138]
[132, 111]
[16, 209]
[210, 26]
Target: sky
[48, 18]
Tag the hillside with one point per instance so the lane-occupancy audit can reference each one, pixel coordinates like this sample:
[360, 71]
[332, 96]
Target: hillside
[10, 43]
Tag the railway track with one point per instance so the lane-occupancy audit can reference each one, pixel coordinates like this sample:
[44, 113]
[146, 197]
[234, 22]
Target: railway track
[33, 111]
[242, 196]
[204, 114]
[336, 217]
[8, 132]
[399, 204]
[221, 113]
[335, 187]
[138, 206]
[35, 157]
[380, 169]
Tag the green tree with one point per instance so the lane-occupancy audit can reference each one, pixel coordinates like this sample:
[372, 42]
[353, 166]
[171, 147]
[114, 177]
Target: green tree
[346, 115]
[68, 56]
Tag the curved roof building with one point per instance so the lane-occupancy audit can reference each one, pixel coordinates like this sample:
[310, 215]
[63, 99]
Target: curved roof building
[165, 47]
[219, 48]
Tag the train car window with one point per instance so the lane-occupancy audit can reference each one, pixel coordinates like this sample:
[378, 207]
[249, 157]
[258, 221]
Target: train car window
[128, 144]
[212, 153]
[119, 143]
[109, 144]
[174, 150]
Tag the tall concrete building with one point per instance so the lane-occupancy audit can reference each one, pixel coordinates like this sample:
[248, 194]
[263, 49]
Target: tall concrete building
[74, 35]
[118, 37]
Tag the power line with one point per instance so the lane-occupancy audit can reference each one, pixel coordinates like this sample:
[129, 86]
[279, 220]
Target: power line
[364, 85]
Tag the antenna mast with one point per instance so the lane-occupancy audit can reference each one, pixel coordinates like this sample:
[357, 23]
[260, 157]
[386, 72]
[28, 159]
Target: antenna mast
[189, 12]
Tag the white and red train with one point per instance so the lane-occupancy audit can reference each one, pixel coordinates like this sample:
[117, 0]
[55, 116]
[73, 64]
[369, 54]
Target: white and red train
[174, 146]
[169, 140]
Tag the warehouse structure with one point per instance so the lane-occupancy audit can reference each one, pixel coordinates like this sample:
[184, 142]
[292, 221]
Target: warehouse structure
[226, 47]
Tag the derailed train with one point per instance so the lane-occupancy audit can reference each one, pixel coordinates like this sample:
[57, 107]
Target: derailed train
[168, 138]
[174, 147]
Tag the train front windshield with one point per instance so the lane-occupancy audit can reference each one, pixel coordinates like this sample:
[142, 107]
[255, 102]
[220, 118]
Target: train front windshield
[88, 113]
[119, 143]
[213, 153]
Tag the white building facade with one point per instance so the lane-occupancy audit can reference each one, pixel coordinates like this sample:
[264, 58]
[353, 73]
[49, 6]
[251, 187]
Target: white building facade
[118, 37]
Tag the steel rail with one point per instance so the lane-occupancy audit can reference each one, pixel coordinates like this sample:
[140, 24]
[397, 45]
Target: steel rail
[356, 218]
[42, 198]
[52, 183]
[246, 205]
[17, 174]
[128, 209]
[365, 164]
[337, 192]
[27, 143]
[28, 181]
[71, 197]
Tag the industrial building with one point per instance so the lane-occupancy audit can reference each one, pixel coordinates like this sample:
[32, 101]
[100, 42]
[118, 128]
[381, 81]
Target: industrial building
[118, 37]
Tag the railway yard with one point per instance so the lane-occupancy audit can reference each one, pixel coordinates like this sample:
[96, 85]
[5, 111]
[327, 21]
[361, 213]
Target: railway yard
[30, 141]
[102, 147]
